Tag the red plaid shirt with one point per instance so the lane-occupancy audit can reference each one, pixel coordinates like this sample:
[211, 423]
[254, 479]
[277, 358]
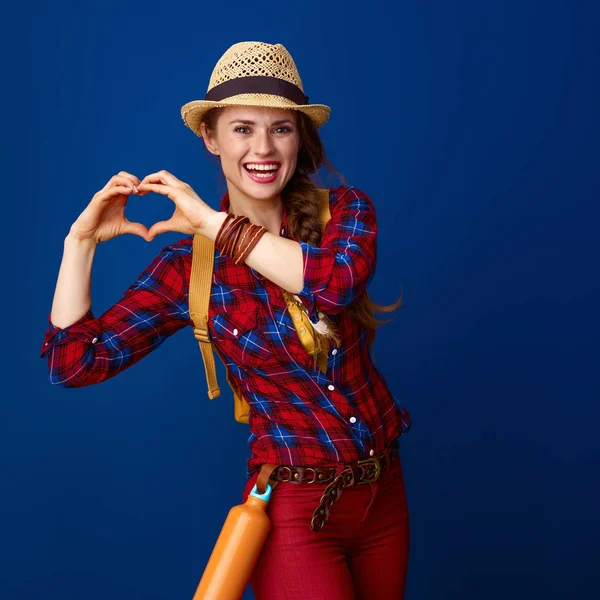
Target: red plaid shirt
[298, 415]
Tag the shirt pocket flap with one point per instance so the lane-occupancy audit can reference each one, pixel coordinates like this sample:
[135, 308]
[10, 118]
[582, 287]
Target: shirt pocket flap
[234, 325]
[241, 337]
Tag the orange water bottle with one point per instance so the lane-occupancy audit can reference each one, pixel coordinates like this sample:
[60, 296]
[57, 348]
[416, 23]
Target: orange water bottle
[237, 549]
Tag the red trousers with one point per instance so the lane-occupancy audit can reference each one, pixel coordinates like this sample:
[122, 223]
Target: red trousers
[361, 553]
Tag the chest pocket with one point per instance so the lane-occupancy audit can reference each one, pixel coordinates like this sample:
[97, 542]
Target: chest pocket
[240, 338]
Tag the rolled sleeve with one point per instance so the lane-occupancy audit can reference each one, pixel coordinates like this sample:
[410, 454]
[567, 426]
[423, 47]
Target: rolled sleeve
[87, 329]
[340, 269]
[92, 350]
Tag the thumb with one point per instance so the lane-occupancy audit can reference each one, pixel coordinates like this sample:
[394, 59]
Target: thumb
[136, 229]
[159, 227]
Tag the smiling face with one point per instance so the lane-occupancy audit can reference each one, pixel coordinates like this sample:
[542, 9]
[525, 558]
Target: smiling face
[258, 148]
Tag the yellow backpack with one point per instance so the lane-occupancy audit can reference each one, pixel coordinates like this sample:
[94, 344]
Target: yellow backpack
[203, 253]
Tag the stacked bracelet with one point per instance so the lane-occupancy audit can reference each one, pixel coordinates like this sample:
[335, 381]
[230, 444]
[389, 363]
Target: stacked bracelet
[237, 237]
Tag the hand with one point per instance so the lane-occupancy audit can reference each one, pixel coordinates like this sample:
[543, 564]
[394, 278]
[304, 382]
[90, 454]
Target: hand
[104, 217]
[191, 215]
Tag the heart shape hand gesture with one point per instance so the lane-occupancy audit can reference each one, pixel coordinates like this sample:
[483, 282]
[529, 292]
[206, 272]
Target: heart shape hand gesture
[191, 212]
[104, 217]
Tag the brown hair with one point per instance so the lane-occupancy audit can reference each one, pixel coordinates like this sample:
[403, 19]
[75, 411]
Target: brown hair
[301, 199]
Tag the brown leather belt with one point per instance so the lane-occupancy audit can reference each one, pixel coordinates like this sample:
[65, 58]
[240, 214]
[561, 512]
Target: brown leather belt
[356, 473]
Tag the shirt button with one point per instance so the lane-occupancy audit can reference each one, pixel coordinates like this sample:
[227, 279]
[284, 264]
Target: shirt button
[296, 317]
[334, 351]
[352, 419]
[235, 332]
[94, 340]
[302, 330]
[372, 452]
[331, 387]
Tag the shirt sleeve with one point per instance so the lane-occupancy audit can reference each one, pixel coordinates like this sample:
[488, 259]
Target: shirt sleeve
[94, 349]
[340, 269]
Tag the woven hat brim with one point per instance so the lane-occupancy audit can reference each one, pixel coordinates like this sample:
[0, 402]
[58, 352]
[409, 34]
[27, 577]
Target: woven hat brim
[193, 111]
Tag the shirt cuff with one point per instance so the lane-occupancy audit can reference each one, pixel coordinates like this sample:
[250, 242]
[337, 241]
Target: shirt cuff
[86, 328]
[315, 262]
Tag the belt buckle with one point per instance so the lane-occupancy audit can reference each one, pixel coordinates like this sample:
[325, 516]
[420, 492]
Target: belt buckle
[376, 472]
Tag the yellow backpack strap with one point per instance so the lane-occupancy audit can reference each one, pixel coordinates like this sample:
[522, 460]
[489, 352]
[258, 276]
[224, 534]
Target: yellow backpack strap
[241, 408]
[324, 216]
[203, 256]
[324, 213]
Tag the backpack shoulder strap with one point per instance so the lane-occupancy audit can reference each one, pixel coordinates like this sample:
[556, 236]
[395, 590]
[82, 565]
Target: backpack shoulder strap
[324, 213]
[203, 256]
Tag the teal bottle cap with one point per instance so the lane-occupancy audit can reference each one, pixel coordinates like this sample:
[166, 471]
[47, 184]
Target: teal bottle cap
[266, 496]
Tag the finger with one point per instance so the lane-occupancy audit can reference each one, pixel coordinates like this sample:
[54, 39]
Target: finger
[135, 179]
[126, 179]
[137, 229]
[123, 175]
[155, 187]
[160, 227]
[113, 191]
[161, 177]
[122, 178]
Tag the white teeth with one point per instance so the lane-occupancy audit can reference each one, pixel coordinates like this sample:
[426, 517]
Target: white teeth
[256, 167]
[263, 175]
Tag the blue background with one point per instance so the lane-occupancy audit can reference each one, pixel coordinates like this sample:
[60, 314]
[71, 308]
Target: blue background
[474, 127]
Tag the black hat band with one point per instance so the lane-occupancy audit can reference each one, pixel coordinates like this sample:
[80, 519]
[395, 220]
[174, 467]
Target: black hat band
[257, 85]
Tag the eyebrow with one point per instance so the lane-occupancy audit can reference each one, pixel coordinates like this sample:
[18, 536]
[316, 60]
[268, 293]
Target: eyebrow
[244, 122]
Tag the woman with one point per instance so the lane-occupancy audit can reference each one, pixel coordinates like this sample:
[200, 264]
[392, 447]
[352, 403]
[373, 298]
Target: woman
[317, 424]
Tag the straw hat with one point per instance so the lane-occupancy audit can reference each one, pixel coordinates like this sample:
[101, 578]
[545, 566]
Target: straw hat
[254, 74]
